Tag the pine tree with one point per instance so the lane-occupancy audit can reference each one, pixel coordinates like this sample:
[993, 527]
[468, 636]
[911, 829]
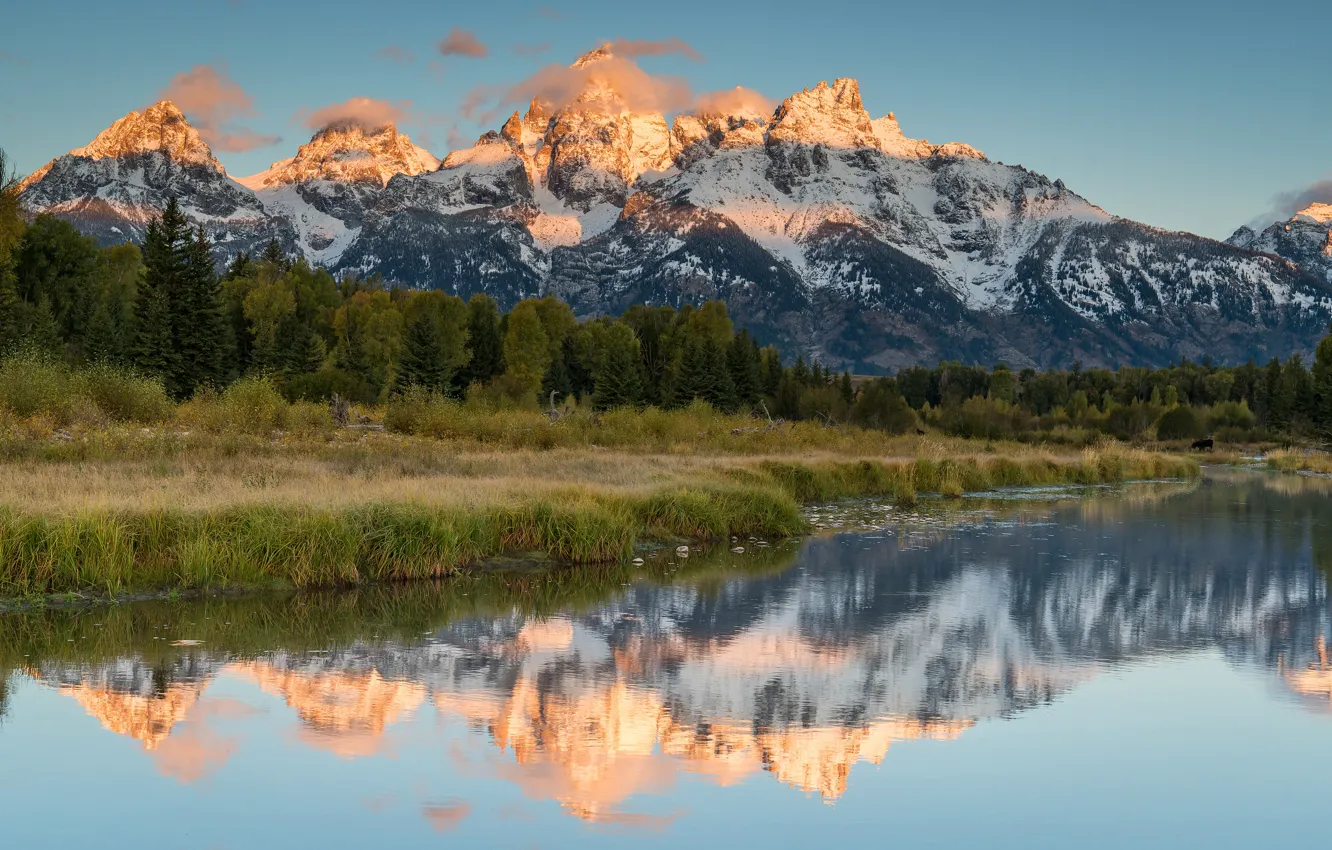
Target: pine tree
[719, 390]
[154, 351]
[690, 380]
[10, 311]
[12, 226]
[308, 352]
[557, 378]
[786, 404]
[197, 318]
[422, 363]
[619, 383]
[1275, 404]
[239, 266]
[104, 343]
[745, 367]
[1322, 387]
[846, 389]
[484, 341]
[274, 255]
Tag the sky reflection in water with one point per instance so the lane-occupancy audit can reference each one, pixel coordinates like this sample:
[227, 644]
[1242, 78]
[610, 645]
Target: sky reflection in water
[1146, 668]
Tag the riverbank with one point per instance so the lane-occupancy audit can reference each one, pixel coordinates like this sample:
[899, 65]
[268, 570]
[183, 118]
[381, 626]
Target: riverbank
[199, 511]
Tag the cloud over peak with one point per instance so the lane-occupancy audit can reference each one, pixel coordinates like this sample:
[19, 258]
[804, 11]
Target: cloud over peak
[214, 102]
[367, 113]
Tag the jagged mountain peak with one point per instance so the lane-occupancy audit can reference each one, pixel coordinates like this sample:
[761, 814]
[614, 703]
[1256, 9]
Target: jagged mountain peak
[595, 55]
[1316, 213]
[347, 152]
[829, 115]
[161, 127]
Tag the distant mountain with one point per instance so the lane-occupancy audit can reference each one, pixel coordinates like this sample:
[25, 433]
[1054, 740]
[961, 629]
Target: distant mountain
[821, 227]
[1305, 238]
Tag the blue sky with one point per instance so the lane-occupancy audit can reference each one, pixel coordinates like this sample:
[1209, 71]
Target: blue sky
[1185, 115]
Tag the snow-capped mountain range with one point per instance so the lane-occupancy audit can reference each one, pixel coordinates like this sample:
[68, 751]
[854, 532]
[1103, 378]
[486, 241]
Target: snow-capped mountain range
[823, 229]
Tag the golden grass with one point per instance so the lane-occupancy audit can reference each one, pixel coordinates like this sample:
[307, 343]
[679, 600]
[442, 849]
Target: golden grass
[1297, 460]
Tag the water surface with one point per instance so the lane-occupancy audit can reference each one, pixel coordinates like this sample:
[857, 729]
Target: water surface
[1142, 667]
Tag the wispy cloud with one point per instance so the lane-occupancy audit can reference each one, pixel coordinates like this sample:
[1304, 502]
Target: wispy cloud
[530, 49]
[550, 13]
[737, 101]
[460, 42]
[635, 48]
[558, 85]
[394, 53]
[6, 56]
[364, 112]
[214, 102]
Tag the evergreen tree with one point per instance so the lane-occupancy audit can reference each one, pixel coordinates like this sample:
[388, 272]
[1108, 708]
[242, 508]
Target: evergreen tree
[104, 344]
[201, 333]
[154, 351]
[786, 402]
[619, 382]
[1276, 405]
[846, 389]
[12, 227]
[771, 371]
[557, 378]
[308, 352]
[422, 363]
[719, 390]
[745, 367]
[484, 340]
[239, 266]
[800, 372]
[274, 255]
[10, 311]
[1322, 387]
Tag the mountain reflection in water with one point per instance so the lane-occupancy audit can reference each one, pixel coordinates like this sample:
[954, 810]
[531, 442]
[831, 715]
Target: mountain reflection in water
[797, 661]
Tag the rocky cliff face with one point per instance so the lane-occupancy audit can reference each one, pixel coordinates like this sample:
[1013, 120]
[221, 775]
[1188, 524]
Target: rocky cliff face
[825, 229]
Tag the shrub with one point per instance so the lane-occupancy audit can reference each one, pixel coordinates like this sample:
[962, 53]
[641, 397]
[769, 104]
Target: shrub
[326, 383]
[125, 396]
[881, 406]
[249, 406]
[32, 384]
[1180, 423]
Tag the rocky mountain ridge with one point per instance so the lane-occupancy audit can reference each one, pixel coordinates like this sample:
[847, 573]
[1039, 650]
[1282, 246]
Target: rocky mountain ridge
[823, 228]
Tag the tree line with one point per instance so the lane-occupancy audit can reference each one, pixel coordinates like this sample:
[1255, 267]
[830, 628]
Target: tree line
[164, 310]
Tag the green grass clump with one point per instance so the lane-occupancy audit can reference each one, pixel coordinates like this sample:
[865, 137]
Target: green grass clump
[275, 545]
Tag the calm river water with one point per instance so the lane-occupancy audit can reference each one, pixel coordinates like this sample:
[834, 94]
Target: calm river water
[1144, 667]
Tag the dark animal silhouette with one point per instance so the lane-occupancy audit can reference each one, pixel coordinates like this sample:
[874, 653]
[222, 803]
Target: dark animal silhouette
[1204, 445]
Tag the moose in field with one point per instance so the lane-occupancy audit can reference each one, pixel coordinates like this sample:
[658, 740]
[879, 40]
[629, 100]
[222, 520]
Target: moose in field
[1206, 444]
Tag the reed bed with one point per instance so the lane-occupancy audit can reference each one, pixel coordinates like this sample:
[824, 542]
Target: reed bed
[357, 527]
